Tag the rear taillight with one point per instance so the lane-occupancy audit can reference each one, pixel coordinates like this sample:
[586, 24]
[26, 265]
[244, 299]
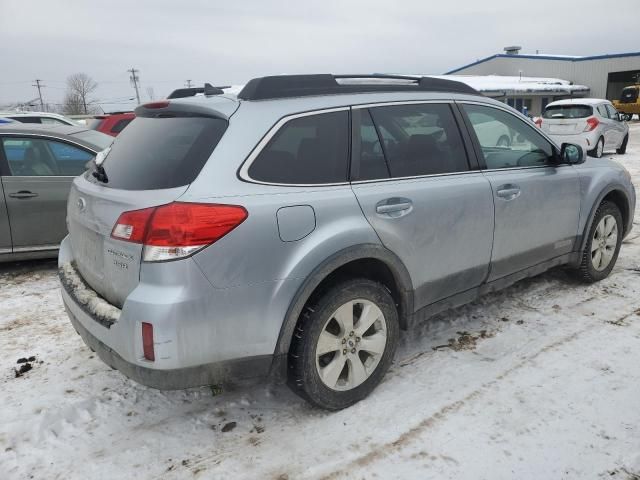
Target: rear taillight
[592, 123]
[539, 122]
[177, 230]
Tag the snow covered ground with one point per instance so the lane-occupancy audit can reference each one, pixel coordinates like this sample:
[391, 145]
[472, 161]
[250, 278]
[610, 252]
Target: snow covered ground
[543, 383]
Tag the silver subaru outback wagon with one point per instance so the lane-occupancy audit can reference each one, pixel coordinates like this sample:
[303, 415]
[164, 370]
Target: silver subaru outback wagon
[294, 229]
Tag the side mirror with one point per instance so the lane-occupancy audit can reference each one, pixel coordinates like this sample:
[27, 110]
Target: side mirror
[620, 116]
[571, 154]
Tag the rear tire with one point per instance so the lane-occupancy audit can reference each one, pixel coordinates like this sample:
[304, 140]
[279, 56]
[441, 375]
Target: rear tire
[623, 147]
[343, 344]
[603, 244]
[598, 150]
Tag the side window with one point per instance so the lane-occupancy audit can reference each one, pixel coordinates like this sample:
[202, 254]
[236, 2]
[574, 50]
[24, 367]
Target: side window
[51, 121]
[507, 141]
[27, 119]
[613, 113]
[306, 150]
[602, 110]
[372, 163]
[420, 139]
[37, 157]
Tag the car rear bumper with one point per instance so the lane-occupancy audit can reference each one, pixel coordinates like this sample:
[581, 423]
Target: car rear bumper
[175, 379]
[200, 335]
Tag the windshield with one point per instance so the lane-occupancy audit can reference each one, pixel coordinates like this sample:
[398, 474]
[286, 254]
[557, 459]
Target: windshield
[158, 153]
[568, 111]
[98, 139]
[629, 95]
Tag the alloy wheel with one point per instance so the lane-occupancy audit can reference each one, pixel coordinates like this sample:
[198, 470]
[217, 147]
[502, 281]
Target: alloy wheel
[603, 243]
[351, 344]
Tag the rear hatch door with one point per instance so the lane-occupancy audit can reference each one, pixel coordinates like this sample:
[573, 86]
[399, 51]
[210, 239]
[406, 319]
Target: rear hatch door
[565, 119]
[151, 163]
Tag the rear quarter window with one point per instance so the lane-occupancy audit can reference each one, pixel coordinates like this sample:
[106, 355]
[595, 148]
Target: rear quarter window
[309, 150]
[158, 153]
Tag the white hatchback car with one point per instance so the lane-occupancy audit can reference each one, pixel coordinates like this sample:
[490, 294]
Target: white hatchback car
[590, 122]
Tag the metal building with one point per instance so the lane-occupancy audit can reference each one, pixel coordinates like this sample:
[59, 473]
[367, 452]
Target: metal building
[605, 75]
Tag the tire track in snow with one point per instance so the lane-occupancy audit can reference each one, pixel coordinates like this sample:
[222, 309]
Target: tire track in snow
[389, 448]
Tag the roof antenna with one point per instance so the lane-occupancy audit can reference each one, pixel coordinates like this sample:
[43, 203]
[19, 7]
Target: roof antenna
[210, 90]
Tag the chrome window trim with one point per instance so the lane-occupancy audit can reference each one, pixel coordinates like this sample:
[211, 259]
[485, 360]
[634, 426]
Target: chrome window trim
[5, 250]
[37, 248]
[400, 102]
[243, 173]
[417, 177]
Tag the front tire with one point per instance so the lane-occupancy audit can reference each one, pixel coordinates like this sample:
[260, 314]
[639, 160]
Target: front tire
[623, 148]
[601, 250]
[343, 344]
[598, 150]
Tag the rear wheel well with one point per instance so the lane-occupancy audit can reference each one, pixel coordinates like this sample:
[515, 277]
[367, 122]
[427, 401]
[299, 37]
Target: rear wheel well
[372, 269]
[620, 200]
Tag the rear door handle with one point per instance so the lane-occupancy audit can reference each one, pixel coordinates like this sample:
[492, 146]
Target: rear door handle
[23, 194]
[508, 192]
[394, 207]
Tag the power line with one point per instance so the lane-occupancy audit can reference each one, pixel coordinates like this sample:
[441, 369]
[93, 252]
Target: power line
[135, 79]
[38, 86]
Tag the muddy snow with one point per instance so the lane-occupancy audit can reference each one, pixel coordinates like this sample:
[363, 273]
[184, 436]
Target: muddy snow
[540, 381]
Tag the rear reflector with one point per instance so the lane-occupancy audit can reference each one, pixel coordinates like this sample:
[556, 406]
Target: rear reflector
[178, 229]
[592, 123]
[147, 342]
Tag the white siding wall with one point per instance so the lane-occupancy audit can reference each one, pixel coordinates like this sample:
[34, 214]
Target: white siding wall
[592, 73]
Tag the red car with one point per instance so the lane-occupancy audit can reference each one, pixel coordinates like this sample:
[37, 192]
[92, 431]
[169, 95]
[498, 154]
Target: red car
[111, 124]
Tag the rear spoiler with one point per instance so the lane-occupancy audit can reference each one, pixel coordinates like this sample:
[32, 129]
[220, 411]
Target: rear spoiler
[207, 90]
[167, 109]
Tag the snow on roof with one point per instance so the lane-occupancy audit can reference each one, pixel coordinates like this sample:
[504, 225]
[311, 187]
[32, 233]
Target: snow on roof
[579, 101]
[510, 84]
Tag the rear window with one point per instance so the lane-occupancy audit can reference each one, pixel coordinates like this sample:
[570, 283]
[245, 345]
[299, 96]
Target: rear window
[568, 111]
[157, 153]
[120, 124]
[307, 150]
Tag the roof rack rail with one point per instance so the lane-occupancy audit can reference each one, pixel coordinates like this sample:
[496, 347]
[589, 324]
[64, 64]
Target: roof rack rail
[207, 90]
[285, 86]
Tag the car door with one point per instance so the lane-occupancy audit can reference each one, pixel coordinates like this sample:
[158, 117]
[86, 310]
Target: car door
[618, 127]
[609, 128]
[537, 199]
[416, 186]
[36, 185]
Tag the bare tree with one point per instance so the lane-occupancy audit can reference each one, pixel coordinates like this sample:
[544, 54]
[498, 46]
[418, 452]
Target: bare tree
[150, 93]
[78, 99]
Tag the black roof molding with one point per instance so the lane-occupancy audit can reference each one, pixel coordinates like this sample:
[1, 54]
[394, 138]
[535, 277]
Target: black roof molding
[207, 90]
[285, 86]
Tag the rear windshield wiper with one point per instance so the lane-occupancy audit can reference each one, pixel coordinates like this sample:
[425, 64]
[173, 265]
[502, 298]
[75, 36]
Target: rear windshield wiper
[100, 173]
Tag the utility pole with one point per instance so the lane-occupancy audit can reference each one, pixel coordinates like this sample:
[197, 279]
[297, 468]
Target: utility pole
[188, 84]
[134, 80]
[39, 86]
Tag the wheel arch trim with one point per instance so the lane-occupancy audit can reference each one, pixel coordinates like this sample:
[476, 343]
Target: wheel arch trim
[331, 264]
